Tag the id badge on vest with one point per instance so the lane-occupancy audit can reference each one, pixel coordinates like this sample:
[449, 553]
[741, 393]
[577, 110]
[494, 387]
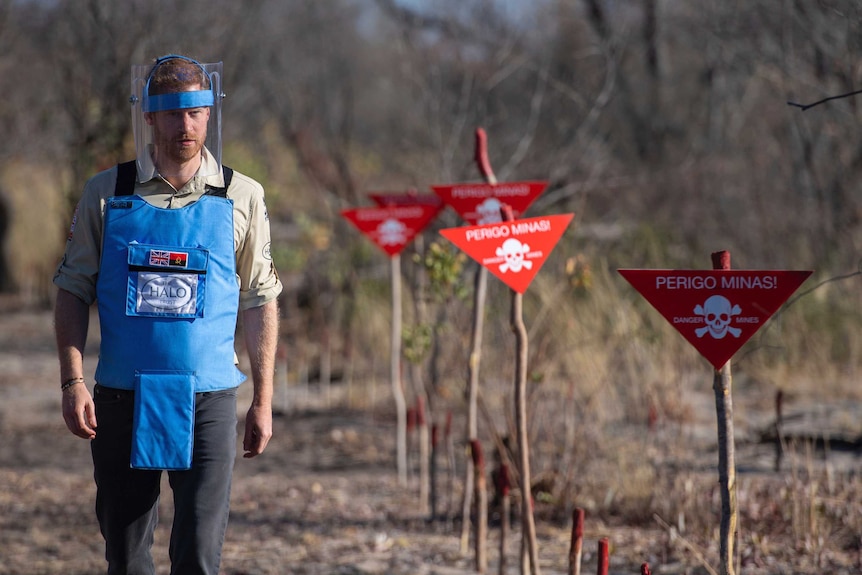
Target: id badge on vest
[166, 281]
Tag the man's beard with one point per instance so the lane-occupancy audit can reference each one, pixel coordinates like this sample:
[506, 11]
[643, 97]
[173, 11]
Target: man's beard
[180, 153]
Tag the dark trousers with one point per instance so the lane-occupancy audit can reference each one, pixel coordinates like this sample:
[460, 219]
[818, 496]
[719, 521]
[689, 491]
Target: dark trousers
[127, 499]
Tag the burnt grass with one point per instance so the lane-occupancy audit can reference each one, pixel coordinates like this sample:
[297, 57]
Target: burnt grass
[324, 498]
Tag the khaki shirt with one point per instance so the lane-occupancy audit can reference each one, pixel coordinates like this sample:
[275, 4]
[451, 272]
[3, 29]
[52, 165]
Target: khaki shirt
[259, 282]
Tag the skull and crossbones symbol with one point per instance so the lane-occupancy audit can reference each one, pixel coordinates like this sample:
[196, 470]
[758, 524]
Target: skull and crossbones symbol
[489, 211]
[717, 313]
[514, 251]
[392, 232]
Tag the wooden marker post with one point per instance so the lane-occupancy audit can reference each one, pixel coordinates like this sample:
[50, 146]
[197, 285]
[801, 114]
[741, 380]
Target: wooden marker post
[503, 489]
[480, 291]
[529, 550]
[721, 385]
[395, 371]
[424, 456]
[481, 505]
[391, 228]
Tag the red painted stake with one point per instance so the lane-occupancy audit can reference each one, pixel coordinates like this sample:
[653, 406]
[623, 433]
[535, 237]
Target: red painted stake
[420, 411]
[482, 157]
[645, 569]
[576, 546]
[603, 556]
[411, 420]
[720, 260]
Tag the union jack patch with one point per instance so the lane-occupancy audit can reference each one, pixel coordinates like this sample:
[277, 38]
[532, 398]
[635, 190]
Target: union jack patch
[160, 258]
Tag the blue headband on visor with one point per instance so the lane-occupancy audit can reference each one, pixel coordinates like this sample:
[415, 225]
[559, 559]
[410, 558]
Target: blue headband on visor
[177, 100]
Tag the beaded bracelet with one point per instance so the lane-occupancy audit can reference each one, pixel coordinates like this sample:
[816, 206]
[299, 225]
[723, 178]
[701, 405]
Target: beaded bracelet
[70, 382]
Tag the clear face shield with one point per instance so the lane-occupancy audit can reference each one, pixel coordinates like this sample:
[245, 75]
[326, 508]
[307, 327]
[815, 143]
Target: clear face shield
[156, 136]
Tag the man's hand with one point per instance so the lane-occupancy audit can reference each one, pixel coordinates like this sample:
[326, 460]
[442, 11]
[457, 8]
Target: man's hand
[260, 325]
[258, 430]
[79, 412]
[71, 320]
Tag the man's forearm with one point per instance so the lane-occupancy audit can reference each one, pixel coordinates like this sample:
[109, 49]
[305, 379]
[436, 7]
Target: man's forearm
[260, 325]
[71, 322]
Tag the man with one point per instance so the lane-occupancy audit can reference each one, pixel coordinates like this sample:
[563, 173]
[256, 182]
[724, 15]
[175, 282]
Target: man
[172, 247]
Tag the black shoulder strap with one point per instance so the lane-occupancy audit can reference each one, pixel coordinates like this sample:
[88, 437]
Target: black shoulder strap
[127, 174]
[222, 192]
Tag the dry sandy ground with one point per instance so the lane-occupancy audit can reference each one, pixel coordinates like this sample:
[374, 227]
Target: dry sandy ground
[323, 499]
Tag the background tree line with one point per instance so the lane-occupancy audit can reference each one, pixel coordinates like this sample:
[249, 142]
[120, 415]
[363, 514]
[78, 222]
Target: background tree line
[663, 125]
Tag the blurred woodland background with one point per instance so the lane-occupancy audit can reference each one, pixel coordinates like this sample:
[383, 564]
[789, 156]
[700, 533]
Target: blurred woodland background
[663, 124]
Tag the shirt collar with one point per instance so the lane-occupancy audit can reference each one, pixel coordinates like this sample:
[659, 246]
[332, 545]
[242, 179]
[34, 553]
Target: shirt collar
[214, 175]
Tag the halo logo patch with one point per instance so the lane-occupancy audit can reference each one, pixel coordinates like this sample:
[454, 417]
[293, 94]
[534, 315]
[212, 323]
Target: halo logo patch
[165, 293]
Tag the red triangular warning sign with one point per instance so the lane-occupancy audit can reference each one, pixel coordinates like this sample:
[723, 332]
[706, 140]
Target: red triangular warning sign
[717, 311]
[480, 204]
[513, 251]
[392, 228]
[410, 198]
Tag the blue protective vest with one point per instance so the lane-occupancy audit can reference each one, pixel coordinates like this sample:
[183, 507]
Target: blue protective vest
[168, 293]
